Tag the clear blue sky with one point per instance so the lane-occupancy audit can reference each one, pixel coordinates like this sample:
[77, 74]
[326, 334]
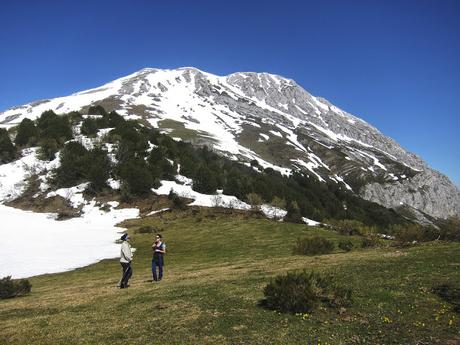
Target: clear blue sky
[394, 63]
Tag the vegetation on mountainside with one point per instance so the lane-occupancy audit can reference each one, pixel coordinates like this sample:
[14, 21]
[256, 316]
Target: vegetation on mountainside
[144, 156]
[217, 266]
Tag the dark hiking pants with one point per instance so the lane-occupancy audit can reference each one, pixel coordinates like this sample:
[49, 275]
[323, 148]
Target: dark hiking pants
[127, 273]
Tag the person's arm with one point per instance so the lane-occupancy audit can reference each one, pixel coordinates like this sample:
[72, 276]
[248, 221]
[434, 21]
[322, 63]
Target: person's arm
[162, 249]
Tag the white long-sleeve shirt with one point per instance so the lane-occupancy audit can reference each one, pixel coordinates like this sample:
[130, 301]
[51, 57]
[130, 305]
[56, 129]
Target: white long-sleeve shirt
[126, 254]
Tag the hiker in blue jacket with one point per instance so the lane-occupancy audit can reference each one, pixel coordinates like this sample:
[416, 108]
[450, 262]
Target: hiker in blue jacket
[159, 250]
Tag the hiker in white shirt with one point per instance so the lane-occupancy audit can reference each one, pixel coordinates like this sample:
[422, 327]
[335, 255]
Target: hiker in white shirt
[126, 256]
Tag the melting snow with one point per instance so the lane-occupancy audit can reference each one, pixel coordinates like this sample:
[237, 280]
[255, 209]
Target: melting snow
[35, 243]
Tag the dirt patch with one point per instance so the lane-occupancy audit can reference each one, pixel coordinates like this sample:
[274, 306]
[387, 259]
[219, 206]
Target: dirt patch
[41, 204]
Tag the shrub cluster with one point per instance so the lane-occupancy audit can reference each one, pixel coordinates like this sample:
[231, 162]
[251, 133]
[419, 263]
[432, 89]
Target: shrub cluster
[80, 165]
[351, 227]
[369, 242]
[450, 294]
[11, 288]
[301, 292]
[313, 246]
[450, 229]
[414, 233]
[345, 245]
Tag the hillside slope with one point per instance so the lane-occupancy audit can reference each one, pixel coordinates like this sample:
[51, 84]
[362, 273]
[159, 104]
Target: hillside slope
[264, 117]
[216, 268]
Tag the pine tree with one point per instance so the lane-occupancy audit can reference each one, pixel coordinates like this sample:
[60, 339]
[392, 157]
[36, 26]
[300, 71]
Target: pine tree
[48, 149]
[89, 127]
[205, 181]
[74, 165]
[98, 171]
[136, 175]
[27, 133]
[54, 127]
[7, 149]
[293, 213]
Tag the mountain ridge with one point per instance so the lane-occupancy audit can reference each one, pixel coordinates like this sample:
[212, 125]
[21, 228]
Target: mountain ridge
[271, 119]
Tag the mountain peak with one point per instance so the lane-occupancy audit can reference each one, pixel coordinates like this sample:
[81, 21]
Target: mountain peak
[270, 119]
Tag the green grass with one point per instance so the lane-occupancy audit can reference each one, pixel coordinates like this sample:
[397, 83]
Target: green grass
[216, 267]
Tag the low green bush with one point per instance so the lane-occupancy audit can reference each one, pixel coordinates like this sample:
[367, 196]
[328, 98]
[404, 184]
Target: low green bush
[10, 288]
[414, 233]
[369, 242]
[345, 245]
[177, 202]
[313, 246]
[301, 292]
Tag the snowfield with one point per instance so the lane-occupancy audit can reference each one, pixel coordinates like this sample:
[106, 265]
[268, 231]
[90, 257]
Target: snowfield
[35, 243]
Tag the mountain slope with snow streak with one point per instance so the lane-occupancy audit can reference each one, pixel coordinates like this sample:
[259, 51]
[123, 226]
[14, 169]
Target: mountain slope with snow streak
[271, 119]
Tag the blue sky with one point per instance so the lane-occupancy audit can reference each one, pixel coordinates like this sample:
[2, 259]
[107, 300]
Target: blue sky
[394, 63]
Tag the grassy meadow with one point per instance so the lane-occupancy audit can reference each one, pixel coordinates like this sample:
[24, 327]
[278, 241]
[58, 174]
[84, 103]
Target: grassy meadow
[216, 268]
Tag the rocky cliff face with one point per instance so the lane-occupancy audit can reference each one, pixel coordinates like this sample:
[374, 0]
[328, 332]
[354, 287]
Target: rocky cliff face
[273, 120]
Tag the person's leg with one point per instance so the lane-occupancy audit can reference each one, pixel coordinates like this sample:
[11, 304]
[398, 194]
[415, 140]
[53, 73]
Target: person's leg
[123, 282]
[154, 270]
[160, 269]
[129, 274]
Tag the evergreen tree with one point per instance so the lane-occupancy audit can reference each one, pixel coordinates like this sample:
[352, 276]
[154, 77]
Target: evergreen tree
[136, 175]
[205, 181]
[27, 133]
[54, 127]
[293, 213]
[48, 149]
[74, 165]
[89, 127]
[7, 149]
[98, 171]
[96, 110]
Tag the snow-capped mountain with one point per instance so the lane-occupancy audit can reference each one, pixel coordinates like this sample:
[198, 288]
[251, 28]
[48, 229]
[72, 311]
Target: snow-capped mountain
[271, 119]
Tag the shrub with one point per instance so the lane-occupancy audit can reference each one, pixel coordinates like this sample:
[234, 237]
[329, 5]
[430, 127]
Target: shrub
[450, 294]
[255, 201]
[301, 292]
[177, 202]
[414, 233]
[11, 288]
[313, 246]
[450, 229]
[369, 242]
[345, 245]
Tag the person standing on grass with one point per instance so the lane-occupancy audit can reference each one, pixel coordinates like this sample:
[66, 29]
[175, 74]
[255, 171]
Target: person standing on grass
[126, 256]
[159, 250]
